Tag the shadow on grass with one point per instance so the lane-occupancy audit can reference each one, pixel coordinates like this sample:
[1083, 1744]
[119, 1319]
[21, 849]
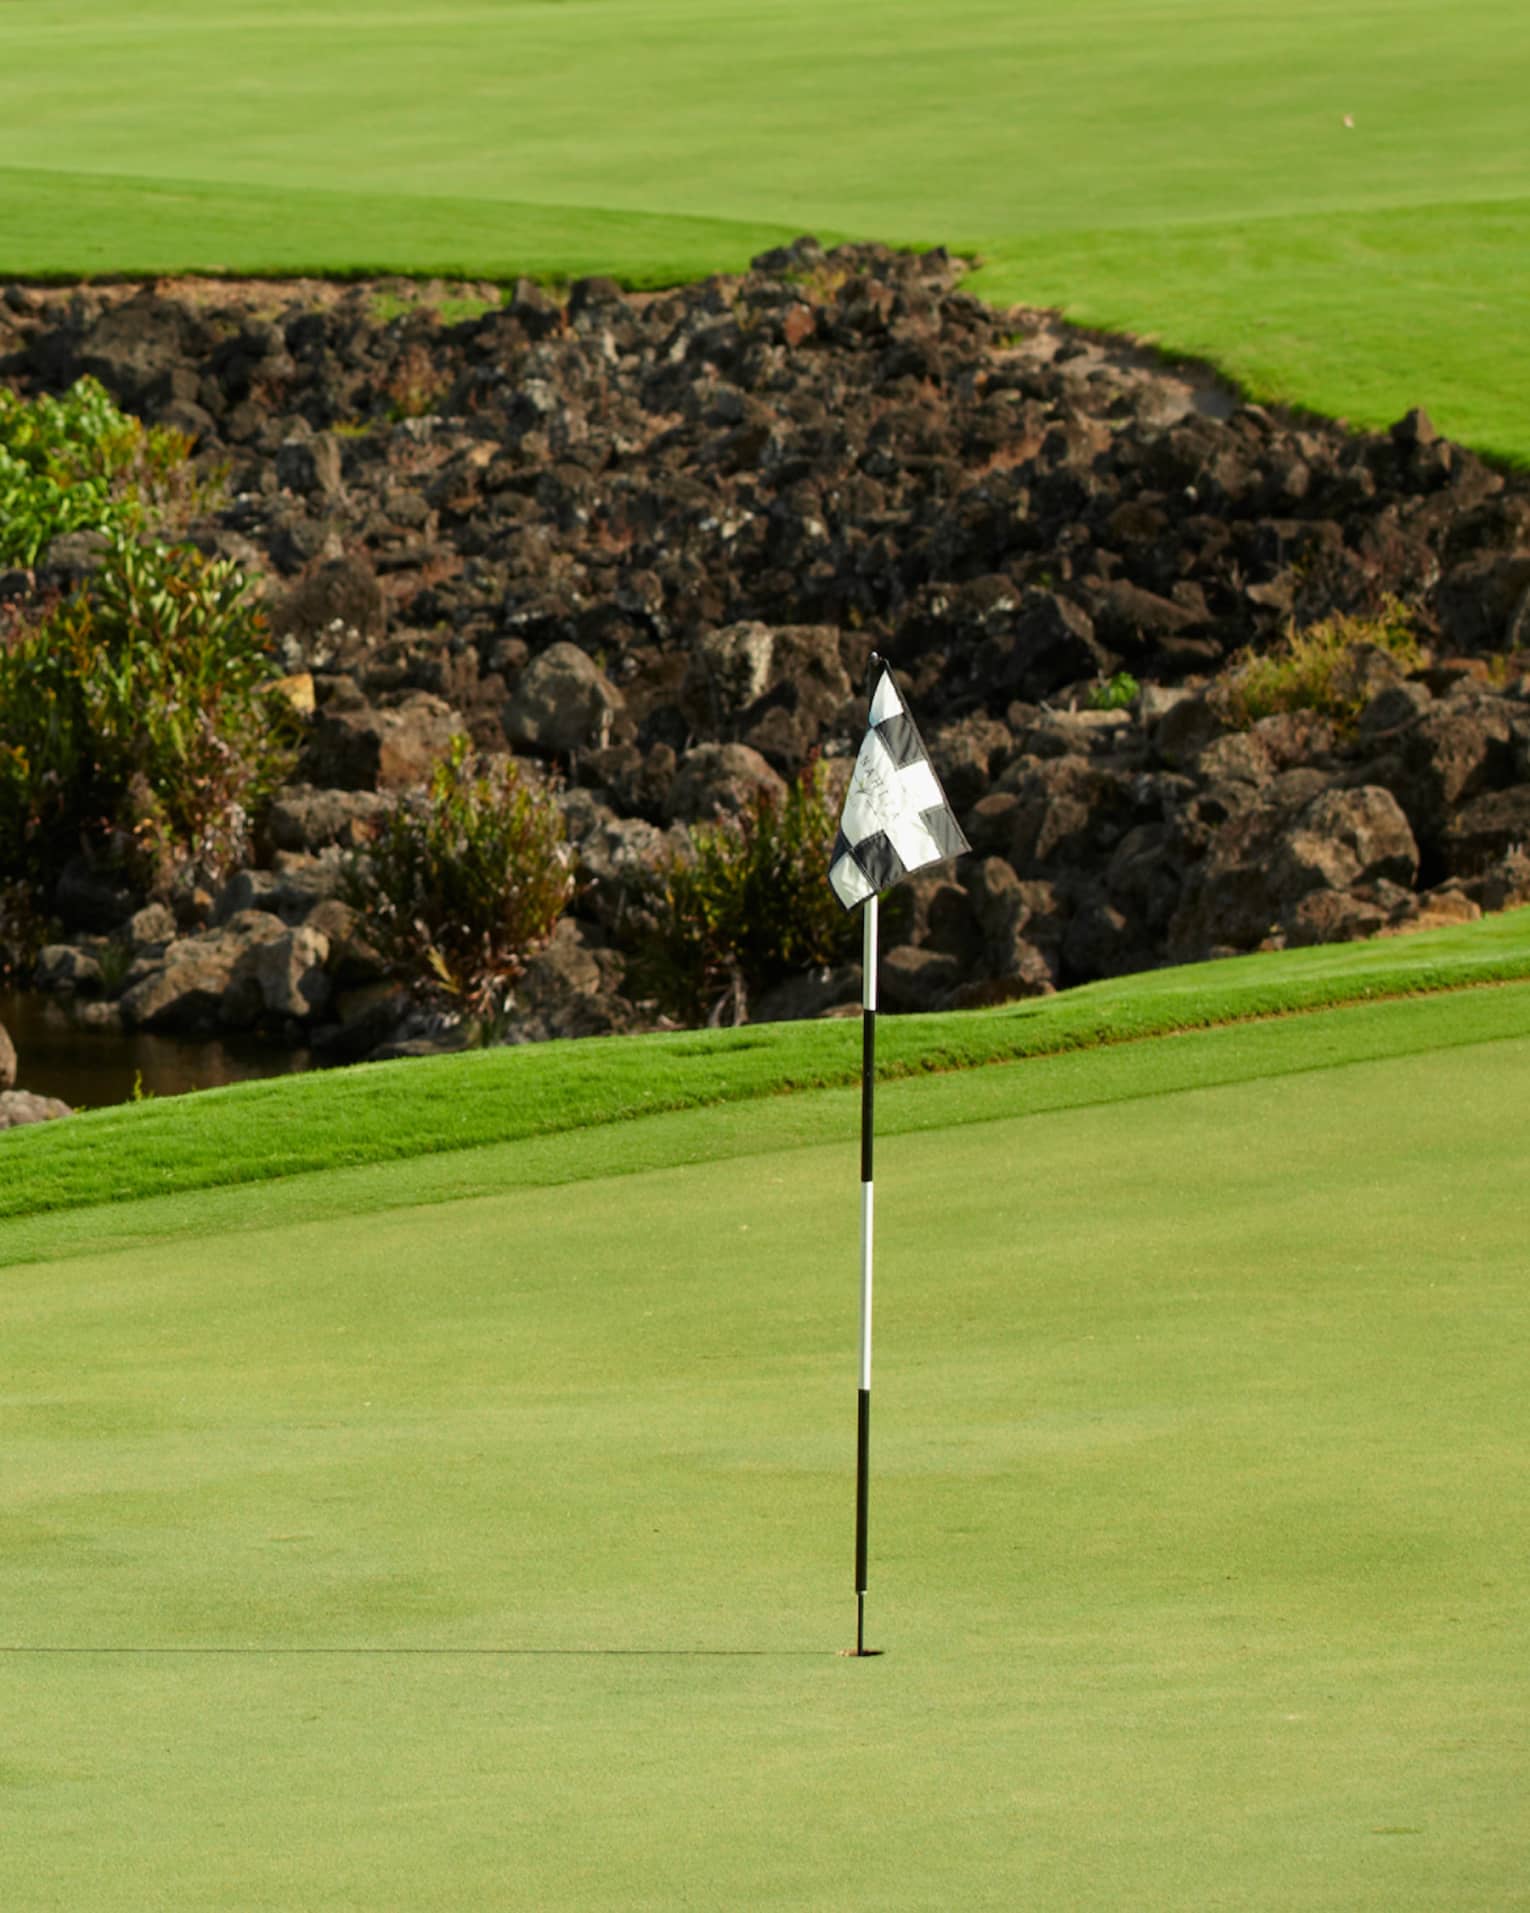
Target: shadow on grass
[551, 1653]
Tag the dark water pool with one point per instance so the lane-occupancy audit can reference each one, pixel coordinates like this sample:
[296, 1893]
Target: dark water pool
[89, 1068]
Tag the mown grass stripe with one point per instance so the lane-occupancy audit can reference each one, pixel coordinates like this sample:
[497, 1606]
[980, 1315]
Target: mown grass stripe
[254, 1133]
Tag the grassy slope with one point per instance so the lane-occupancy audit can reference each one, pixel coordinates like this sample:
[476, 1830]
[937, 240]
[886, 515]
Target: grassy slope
[252, 1132]
[497, 1552]
[1184, 167]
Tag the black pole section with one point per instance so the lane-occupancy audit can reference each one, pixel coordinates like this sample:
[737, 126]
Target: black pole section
[862, 1489]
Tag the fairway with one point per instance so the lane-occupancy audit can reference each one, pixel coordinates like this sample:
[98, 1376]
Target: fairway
[497, 1551]
[1331, 201]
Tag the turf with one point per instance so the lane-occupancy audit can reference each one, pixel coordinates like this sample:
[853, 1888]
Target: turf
[255, 1132]
[1183, 168]
[497, 1551]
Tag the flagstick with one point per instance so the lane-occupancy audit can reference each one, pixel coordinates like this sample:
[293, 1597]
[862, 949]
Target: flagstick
[863, 1399]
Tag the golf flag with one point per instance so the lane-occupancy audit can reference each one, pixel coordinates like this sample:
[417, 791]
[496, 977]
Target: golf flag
[895, 820]
[896, 817]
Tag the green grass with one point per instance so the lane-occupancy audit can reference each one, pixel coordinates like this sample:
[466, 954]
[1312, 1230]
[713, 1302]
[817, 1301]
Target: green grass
[280, 1127]
[1181, 168]
[497, 1552]
[68, 224]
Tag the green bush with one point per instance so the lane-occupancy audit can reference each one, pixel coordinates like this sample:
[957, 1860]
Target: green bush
[1114, 693]
[139, 718]
[464, 883]
[1324, 668]
[77, 463]
[749, 908]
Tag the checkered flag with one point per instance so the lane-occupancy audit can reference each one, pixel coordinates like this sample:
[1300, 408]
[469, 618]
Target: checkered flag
[896, 817]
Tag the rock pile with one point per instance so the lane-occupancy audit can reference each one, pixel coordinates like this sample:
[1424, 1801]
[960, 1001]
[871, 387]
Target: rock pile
[649, 541]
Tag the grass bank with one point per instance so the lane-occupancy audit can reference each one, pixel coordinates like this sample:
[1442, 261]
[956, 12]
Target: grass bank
[252, 1133]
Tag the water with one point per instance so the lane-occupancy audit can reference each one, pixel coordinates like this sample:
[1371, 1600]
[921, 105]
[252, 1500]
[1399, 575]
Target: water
[89, 1068]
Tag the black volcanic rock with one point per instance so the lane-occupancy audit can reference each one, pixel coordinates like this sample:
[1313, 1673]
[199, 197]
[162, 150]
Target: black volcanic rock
[653, 538]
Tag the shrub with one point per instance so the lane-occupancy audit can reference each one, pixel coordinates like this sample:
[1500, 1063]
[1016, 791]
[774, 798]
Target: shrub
[750, 907]
[77, 463]
[414, 387]
[464, 883]
[1323, 668]
[140, 719]
[1114, 693]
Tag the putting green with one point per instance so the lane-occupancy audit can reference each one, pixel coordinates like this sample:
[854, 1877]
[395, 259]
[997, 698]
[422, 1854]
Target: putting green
[498, 1551]
[1329, 199]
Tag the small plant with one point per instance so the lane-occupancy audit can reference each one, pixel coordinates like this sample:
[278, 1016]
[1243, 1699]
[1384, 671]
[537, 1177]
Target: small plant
[456, 309]
[413, 388]
[140, 720]
[1114, 693]
[77, 463]
[818, 283]
[750, 908]
[464, 883]
[1322, 668]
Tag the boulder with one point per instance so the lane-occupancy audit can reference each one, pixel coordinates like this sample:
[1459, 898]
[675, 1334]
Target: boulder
[1070, 811]
[281, 978]
[1186, 728]
[1102, 940]
[1483, 831]
[1229, 903]
[1054, 644]
[916, 979]
[1392, 707]
[822, 992]
[1133, 621]
[1343, 838]
[1241, 756]
[389, 747]
[369, 1017]
[20, 1106]
[1457, 748]
[1145, 878]
[614, 858]
[150, 928]
[720, 780]
[7, 1060]
[967, 755]
[1332, 916]
[183, 995]
[303, 818]
[308, 465]
[571, 988]
[65, 969]
[135, 344]
[247, 890]
[729, 670]
[807, 691]
[1260, 864]
[561, 703]
[1480, 602]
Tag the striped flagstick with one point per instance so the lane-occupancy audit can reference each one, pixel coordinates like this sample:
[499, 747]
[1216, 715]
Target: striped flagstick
[868, 1204]
[896, 820]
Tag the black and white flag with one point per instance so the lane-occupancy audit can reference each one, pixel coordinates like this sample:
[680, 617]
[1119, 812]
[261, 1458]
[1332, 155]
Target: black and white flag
[896, 817]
